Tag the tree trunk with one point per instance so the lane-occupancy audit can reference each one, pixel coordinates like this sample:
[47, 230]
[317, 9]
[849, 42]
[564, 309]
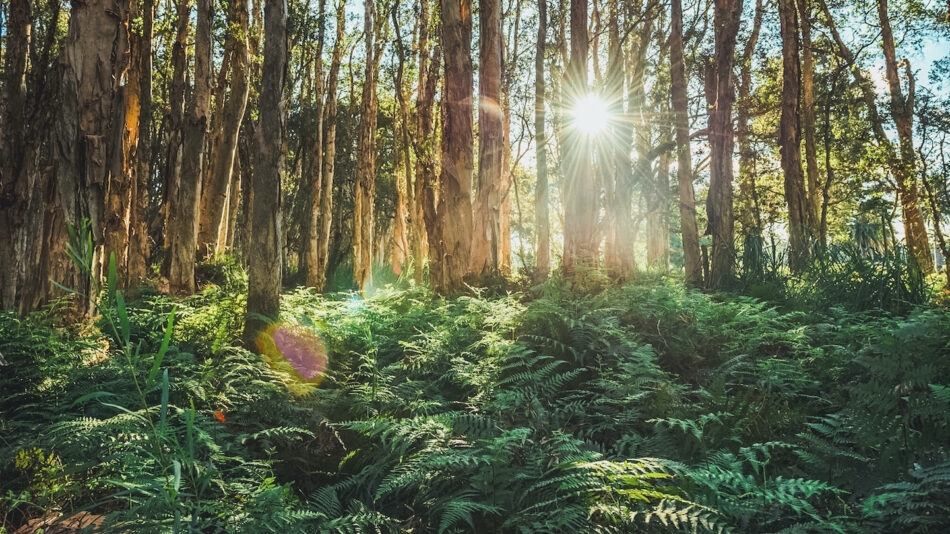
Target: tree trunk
[449, 258]
[491, 187]
[264, 246]
[901, 166]
[813, 187]
[325, 220]
[175, 127]
[15, 187]
[214, 194]
[580, 193]
[747, 209]
[684, 164]
[542, 196]
[790, 140]
[905, 168]
[141, 46]
[89, 130]
[183, 215]
[365, 196]
[311, 173]
[720, 96]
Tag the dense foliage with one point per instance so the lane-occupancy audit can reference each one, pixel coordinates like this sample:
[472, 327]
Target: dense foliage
[640, 408]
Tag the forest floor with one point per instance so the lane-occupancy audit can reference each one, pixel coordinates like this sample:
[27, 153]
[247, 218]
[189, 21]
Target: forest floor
[637, 408]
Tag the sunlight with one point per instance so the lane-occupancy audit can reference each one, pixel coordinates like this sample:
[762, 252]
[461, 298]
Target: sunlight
[590, 114]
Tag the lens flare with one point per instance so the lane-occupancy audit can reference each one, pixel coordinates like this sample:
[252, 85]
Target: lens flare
[590, 114]
[295, 353]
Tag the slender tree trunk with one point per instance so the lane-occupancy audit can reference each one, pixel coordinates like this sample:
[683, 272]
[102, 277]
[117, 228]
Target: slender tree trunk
[449, 258]
[141, 45]
[404, 203]
[684, 164]
[542, 196]
[905, 170]
[264, 257]
[720, 96]
[214, 195]
[365, 196]
[311, 180]
[15, 187]
[175, 127]
[747, 209]
[901, 166]
[580, 192]
[325, 221]
[491, 188]
[183, 219]
[813, 187]
[790, 139]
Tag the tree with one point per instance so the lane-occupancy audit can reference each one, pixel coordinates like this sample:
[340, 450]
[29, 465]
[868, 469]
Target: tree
[684, 165]
[492, 180]
[449, 251]
[747, 210]
[365, 196]
[264, 258]
[541, 199]
[215, 192]
[581, 198]
[720, 96]
[790, 139]
[139, 106]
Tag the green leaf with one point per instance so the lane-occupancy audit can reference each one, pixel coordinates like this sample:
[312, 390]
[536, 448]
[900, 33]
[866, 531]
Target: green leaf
[160, 356]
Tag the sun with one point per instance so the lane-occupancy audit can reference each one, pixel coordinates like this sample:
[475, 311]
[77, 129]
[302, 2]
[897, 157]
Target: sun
[590, 114]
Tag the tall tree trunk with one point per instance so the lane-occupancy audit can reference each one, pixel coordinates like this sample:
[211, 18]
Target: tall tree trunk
[264, 257]
[183, 219]
[720, 96]
[175, 128]
[449, 257]
[790, 139]
[901, 166]
[581, 200]
[905, 169]
[140, 84]
[813, 187]
[684, 164]
[214, 194]
[15, 186]
[491, 186]
[404, 191]
[365, 196]
[311, 173]
[89, 130]
[324, 224]
[421, 146]
[542, 196]
[747, 209]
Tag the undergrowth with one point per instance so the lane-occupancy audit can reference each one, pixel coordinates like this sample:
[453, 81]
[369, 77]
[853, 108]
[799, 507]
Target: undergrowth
[645, 408]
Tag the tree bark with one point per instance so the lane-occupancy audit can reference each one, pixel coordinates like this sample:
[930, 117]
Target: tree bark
[684, 165]
[15, 186]
[324, 224]
[491, 183]
[720, 96]
[542, 196]
[905, 168]
[264, 257]
[88, 138]
[214, 194]
[747, 209]
[183, 215]
[581, 200]
[901, 166]
[449, 257]
[312, 152]
[790, 140]
[813, 187]
[140, 85]
[365, 196]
